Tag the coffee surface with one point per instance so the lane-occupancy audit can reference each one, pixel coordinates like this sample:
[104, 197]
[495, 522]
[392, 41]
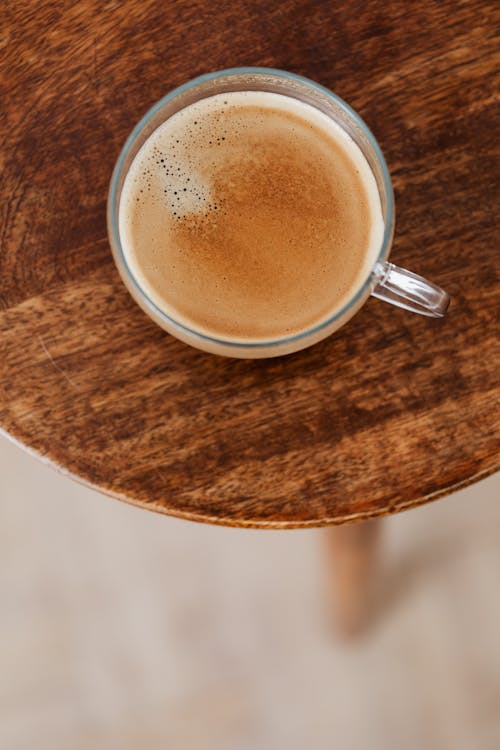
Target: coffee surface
[250, 216]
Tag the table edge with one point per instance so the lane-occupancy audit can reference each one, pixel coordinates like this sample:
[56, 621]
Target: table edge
[249, 523]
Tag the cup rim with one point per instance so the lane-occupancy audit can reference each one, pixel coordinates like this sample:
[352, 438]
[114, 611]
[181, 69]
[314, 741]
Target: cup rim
[113, 210]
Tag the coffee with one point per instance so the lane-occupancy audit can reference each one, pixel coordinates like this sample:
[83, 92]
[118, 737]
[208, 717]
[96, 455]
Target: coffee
[250, 216]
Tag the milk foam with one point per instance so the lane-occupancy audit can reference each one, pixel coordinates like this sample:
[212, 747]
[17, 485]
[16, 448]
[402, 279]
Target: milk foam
[250, 215]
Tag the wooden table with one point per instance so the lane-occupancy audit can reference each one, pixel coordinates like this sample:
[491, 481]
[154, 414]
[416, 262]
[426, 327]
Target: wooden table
[392, 411]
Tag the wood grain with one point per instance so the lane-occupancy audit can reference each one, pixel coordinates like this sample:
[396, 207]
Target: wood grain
[389, 412]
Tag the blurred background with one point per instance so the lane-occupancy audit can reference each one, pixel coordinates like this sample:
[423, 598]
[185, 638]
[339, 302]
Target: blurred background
[123, 629]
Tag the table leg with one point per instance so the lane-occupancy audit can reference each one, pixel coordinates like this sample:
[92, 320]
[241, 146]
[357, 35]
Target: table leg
[352, 552]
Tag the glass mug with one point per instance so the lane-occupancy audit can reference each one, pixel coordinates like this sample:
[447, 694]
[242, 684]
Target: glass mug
[385, 280]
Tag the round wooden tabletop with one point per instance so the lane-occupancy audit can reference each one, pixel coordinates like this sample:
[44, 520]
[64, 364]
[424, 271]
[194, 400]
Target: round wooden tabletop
[391, 411]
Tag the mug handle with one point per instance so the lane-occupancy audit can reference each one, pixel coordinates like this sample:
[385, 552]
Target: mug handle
[409, 290]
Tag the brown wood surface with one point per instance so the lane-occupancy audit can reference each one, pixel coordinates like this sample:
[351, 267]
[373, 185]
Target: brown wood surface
[391, 411]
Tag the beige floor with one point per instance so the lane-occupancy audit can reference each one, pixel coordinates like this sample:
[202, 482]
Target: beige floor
[123, 629]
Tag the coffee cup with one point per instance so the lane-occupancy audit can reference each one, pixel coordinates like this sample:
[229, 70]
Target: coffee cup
[251, 214]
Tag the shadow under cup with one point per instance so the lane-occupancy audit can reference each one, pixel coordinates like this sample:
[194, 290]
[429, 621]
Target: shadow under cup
[252, 79]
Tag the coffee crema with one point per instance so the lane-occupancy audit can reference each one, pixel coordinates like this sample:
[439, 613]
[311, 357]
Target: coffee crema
[250, 216]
